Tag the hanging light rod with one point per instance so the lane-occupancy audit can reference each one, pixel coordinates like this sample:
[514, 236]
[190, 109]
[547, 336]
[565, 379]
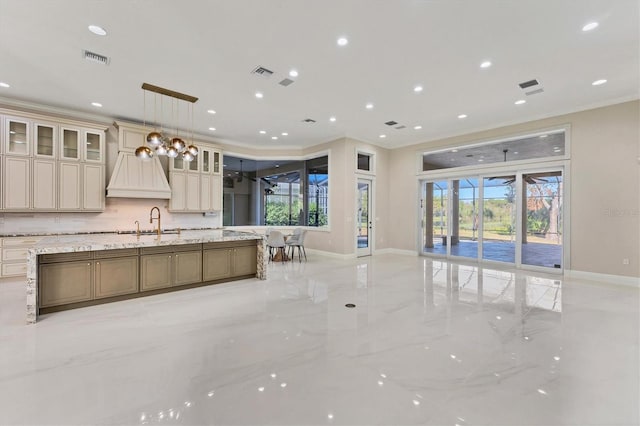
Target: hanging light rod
[167, 92]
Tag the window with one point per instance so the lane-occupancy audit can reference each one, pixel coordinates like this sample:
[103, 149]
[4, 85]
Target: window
[364, 162]
[276, 193]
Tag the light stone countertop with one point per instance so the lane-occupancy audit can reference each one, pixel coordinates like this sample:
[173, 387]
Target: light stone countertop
[93, 242]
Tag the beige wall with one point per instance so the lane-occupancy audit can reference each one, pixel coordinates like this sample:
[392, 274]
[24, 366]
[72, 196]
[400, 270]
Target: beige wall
[604, 185]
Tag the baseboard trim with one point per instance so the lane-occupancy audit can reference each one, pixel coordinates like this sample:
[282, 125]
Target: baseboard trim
[607, 278]
[395, 251]
[331, 254]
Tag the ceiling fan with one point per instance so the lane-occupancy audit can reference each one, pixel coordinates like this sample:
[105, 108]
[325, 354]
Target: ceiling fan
[508, 180]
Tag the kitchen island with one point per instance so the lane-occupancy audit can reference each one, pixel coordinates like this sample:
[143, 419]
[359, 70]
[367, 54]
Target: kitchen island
[69, 271]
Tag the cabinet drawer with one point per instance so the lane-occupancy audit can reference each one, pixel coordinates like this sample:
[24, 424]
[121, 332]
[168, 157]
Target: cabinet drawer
[104, 254]
[64, 257]
[14, 269]
[20, 241]
[229, 244]
[9, 254]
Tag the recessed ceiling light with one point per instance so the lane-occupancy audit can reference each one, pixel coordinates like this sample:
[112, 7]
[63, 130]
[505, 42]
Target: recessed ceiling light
[263, 132]
[97, 30]
[520, 102]
[96, 104]
[332, 119]
[544, 136]
[342, 41]
[485, 64]
[293, 73]
[515, 152]
[454, 150]
[383, 136]
[259, 95]
[285, 134]
[3, 84]
[369, 106]
[213, 129]
[462, 116]
[274, 138]
[590, 26]
[418, 89]
[599, 82]
[210, 111]
[417, 127]
[480, 160]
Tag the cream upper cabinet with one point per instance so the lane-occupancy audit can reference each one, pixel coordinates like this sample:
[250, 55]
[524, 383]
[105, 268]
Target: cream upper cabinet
[93, 187]
[196, 185]
[44, 185]
[69, 144]
[17, 137]
[93, 146]
[50, 164]
[16, 183]
[45, 138]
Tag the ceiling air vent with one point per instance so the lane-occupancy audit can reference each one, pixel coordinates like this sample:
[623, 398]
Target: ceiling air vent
[94, 57]
[262, 71]
[285, 82]
[391, 123]
[528, 84]
[534, 92]
[308, 120]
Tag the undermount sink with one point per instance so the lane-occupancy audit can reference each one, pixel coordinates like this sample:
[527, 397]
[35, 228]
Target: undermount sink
[150, 232]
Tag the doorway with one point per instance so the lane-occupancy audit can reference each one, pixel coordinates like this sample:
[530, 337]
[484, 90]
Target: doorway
[364, 219]
[513, 217]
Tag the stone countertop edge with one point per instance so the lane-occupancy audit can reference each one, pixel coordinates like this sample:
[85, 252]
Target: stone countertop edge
[92, 242]
[118, 232]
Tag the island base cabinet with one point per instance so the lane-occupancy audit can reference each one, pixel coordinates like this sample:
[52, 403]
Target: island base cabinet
[155, 271]
[62, 283]
[216, 264]
[188, 267]
[244, 260]
[114, 277]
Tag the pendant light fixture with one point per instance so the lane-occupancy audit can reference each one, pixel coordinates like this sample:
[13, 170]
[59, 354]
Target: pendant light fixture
[159, 144]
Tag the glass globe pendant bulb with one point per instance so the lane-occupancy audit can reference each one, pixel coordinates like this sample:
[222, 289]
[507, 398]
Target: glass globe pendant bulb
[178, 144]
[172, 152]
[144, 153]
[161, 150]
[193, 150]
[154, 139]
[188, 157]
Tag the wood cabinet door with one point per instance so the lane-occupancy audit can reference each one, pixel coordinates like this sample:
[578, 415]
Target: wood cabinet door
[205, 192]
[178, 191]
[44, 185]
[188, 267]
[62, 283]
[69, 186]
[17, 183]
[93, 193]
[216, 264]
[155, 271]
[116, 276]
[244, 260]
[216, 193]
[193, 191]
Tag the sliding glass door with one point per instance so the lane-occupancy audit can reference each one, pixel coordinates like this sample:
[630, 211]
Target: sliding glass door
[514, 218]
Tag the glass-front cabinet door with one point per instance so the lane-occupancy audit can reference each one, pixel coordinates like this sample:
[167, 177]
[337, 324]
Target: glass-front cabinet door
[70, 144]
[93, 146]
[17, 138]
[205, 155]
[217, 158]
[193, 164]
[178, 163]
[45, 140]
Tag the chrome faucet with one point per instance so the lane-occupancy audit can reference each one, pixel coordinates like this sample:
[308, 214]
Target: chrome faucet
[137, 228]
[151, 218]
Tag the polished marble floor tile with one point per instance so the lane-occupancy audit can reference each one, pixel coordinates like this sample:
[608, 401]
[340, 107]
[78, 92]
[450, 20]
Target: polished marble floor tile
[429, 342]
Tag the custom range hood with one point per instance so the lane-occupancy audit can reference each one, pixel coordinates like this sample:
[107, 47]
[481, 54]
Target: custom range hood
[132, 177]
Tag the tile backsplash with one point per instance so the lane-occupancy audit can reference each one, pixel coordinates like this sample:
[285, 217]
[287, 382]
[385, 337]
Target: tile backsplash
[119, 215]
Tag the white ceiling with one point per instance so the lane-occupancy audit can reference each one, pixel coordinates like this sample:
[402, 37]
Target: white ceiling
[208, 48]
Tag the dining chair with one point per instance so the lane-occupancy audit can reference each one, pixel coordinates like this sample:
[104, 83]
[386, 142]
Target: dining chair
[275, 242]
[297, 241]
